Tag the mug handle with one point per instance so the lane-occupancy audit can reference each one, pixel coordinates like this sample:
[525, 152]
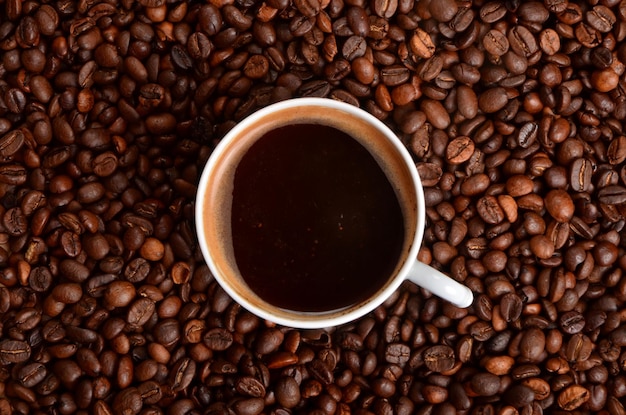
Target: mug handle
[440, 284]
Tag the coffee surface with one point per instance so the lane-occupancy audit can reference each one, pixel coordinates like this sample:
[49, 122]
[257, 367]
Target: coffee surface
[316, 224]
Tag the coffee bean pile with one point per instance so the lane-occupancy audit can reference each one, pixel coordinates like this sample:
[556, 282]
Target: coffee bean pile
[514, 112]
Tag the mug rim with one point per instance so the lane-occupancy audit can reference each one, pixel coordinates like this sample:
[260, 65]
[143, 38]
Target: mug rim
[312, 320]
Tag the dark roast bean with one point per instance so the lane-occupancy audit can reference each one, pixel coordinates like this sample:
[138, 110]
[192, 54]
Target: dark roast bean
[601, 18]
[519, 396]
[67, 293]
[140, 311]
[492, 11]
[439, 358]
[11, 143]
[485, 384]
[315, 89]
[385, 8]
[32, 374]
[522, 41]
[15, 221]
[128, 401]
[14, 351]
[394, 75]
[74, 270]
[40, 279]
[493, 100]
[354, 47]
[559, 205]
[496, 43]
[251, 386]
[287, 392]
[443, 11]
[13, 174]
[358, 21]
[95, 138]
[308, 7]
[532, 344]
[511, 307]
[612, 194]
[490, 210]
[218, 339]
[580, 174]
[572, 322]
[182, 374]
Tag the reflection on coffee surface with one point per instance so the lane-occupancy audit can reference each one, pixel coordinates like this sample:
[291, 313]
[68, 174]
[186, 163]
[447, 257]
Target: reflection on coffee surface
[316, 224]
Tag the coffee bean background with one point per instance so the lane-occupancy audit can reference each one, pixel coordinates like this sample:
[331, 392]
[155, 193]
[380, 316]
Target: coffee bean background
[514, 112]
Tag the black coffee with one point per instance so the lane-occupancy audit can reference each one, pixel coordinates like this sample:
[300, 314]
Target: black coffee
[316, 223]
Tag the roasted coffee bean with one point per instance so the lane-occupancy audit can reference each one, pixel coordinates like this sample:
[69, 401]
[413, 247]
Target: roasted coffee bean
[385, 8]
[182, 374]
[308, 7]
[318, 89]
[421, 44]
[128, 401]
[580, 174]
[485, 384]
[40, 279]
[578, 348]
[13, 174]
[199, 46]
[11, 143]
[287, 392]
[511, 307]
[137, 270]
[490, 210]
[496, 43]
[572, 322]
[150, 392]
[613, 194]
[67, 293]
[218, 339]
[397, 353]
[519, 396]
[443, 11]
[119, 293]
[300, 25]
[549, 41]
[573, 397]
[394, 75]
[460, 150]
[601, 57]
[358, 21]
[251, 386]
[493, 100]
[522, 41]
[439, 358]
[14, 351]
[532, 344]
[560, 205]
[601, 18]
[95, 138]
[32, 374]
[15, 221]
[140, 311]
[492, 11]
[74, 270]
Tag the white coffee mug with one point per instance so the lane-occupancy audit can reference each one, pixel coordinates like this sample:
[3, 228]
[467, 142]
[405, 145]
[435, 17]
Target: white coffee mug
[215, 196]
